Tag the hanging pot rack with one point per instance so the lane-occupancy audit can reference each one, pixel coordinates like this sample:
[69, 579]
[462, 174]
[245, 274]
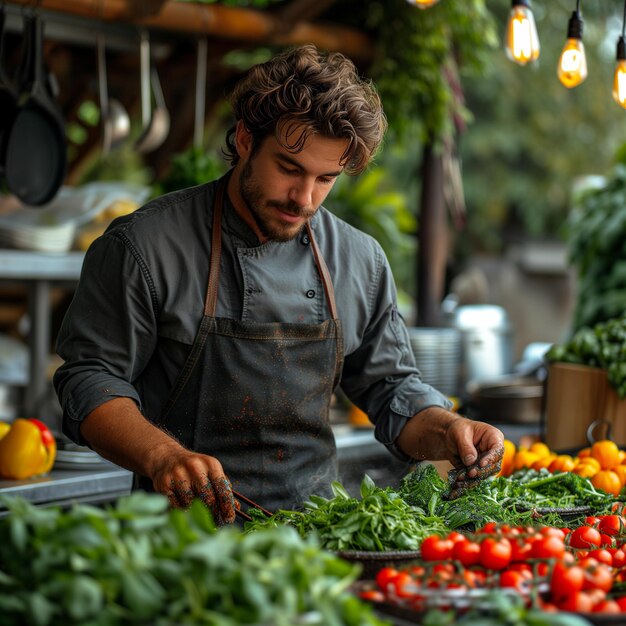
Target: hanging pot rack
[214, 20]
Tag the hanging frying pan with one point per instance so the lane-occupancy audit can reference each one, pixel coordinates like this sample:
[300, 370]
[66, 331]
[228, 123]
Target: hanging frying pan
[36, 150]
[8, 94]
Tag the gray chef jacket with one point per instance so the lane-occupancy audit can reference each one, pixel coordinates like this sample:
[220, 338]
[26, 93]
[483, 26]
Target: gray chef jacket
[140, 300]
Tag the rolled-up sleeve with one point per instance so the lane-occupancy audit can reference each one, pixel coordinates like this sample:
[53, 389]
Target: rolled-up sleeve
[108, 334]
[381, 376]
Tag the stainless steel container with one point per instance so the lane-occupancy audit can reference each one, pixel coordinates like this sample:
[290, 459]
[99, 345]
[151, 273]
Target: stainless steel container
[486, 340]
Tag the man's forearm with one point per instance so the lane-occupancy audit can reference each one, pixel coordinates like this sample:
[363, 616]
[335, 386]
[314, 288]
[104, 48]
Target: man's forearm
[424, 435]
[119, 432]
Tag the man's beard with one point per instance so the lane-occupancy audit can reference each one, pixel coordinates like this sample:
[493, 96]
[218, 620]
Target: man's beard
[256, 203]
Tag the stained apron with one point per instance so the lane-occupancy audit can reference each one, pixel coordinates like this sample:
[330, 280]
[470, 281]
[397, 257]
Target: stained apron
[257, 395]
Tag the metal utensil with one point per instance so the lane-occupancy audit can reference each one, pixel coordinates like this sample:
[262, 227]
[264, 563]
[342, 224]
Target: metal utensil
[156, 124]
[8, 94]
[115, 120]
[36, 146]
[198, 129]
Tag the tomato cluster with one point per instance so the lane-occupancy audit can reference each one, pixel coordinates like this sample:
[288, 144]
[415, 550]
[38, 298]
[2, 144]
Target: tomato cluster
[573, 570]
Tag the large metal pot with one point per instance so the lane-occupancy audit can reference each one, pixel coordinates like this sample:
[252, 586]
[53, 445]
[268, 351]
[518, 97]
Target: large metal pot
[487, 341]
[508, 399]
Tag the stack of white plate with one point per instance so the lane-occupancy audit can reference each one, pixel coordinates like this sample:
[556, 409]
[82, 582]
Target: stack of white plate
[51, 228]
[438, 356]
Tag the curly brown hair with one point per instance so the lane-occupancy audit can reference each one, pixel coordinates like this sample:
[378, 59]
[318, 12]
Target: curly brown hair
[302, 91]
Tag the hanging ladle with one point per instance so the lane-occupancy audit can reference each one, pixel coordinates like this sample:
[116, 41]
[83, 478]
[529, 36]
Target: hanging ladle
[115, 120]
[156, 124]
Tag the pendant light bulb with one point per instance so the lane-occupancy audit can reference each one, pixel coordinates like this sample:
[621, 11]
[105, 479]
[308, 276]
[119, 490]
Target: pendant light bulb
[522, 42]
[572, 68]
[619, 78]
[422, 4]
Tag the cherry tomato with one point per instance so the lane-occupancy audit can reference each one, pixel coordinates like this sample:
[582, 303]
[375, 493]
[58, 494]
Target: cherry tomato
[606, 606]
[577, 602]
[585, 537]
[619, 557]
[384, 576]
[566, 581]
[512, 579]
[455, 536]
[591, 520]
[611, 524]
[520, 549]
[467, 552]
[435, 548]
[404, 585]
[549, 547]
[602, 556]
[598, 577]
[373, 595]
[495, 553]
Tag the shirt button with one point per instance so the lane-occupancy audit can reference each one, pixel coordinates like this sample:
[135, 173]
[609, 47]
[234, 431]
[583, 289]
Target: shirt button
[310, 293]
[305, 240]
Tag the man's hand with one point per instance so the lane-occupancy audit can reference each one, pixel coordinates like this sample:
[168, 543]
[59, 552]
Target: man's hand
[438, 434]
[473, 445]
[186, 475]
[119, 432]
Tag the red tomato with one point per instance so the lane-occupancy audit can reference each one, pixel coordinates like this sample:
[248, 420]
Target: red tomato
[549, 547]
[607, 606]
[495, 553]
[489, 527]
[566, 581]
[512, 579]
[598, 577]
[373, 595]
[611, 524]
[467, 552]
[435, 548]
[551, 531]
[384, 576]
[520, 549]
[602, 556]
[584, 537]
[591, 520]
[607, 541]
[404, 585]
[455, 536]
[619, 557]
[577, 602]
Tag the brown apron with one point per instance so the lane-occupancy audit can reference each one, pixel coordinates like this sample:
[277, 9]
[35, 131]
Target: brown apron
[256, 395]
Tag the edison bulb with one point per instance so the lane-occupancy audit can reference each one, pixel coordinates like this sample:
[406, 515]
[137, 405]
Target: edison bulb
[573, 64]
[522, 42]
[422, 4]
[619, 78]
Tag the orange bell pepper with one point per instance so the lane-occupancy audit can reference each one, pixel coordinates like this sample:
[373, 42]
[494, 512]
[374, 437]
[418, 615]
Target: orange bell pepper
[27, 449]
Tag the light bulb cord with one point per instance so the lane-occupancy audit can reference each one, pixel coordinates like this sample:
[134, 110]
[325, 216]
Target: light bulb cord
[624, 21]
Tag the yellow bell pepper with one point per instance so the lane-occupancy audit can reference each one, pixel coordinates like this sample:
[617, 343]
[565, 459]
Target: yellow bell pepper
[27, 449]
[4, 428]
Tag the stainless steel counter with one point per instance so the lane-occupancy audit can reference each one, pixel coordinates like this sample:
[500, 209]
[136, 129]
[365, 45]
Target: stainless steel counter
[355, 447]
[62, 487]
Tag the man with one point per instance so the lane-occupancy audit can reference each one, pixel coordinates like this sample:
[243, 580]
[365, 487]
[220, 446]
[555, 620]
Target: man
[211, 327]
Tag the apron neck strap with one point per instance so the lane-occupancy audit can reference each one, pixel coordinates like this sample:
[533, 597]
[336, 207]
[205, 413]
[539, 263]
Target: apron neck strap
[210, 303]
[329, 290]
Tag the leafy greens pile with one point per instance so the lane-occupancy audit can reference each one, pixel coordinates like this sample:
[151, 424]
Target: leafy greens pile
[142, 564]
[380, 521]
[517, 499]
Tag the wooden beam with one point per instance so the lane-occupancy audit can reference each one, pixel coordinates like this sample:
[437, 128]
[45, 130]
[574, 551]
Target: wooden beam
[218, 21]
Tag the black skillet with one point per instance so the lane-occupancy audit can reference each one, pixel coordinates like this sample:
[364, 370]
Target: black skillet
[8, 93]
[35, 159]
